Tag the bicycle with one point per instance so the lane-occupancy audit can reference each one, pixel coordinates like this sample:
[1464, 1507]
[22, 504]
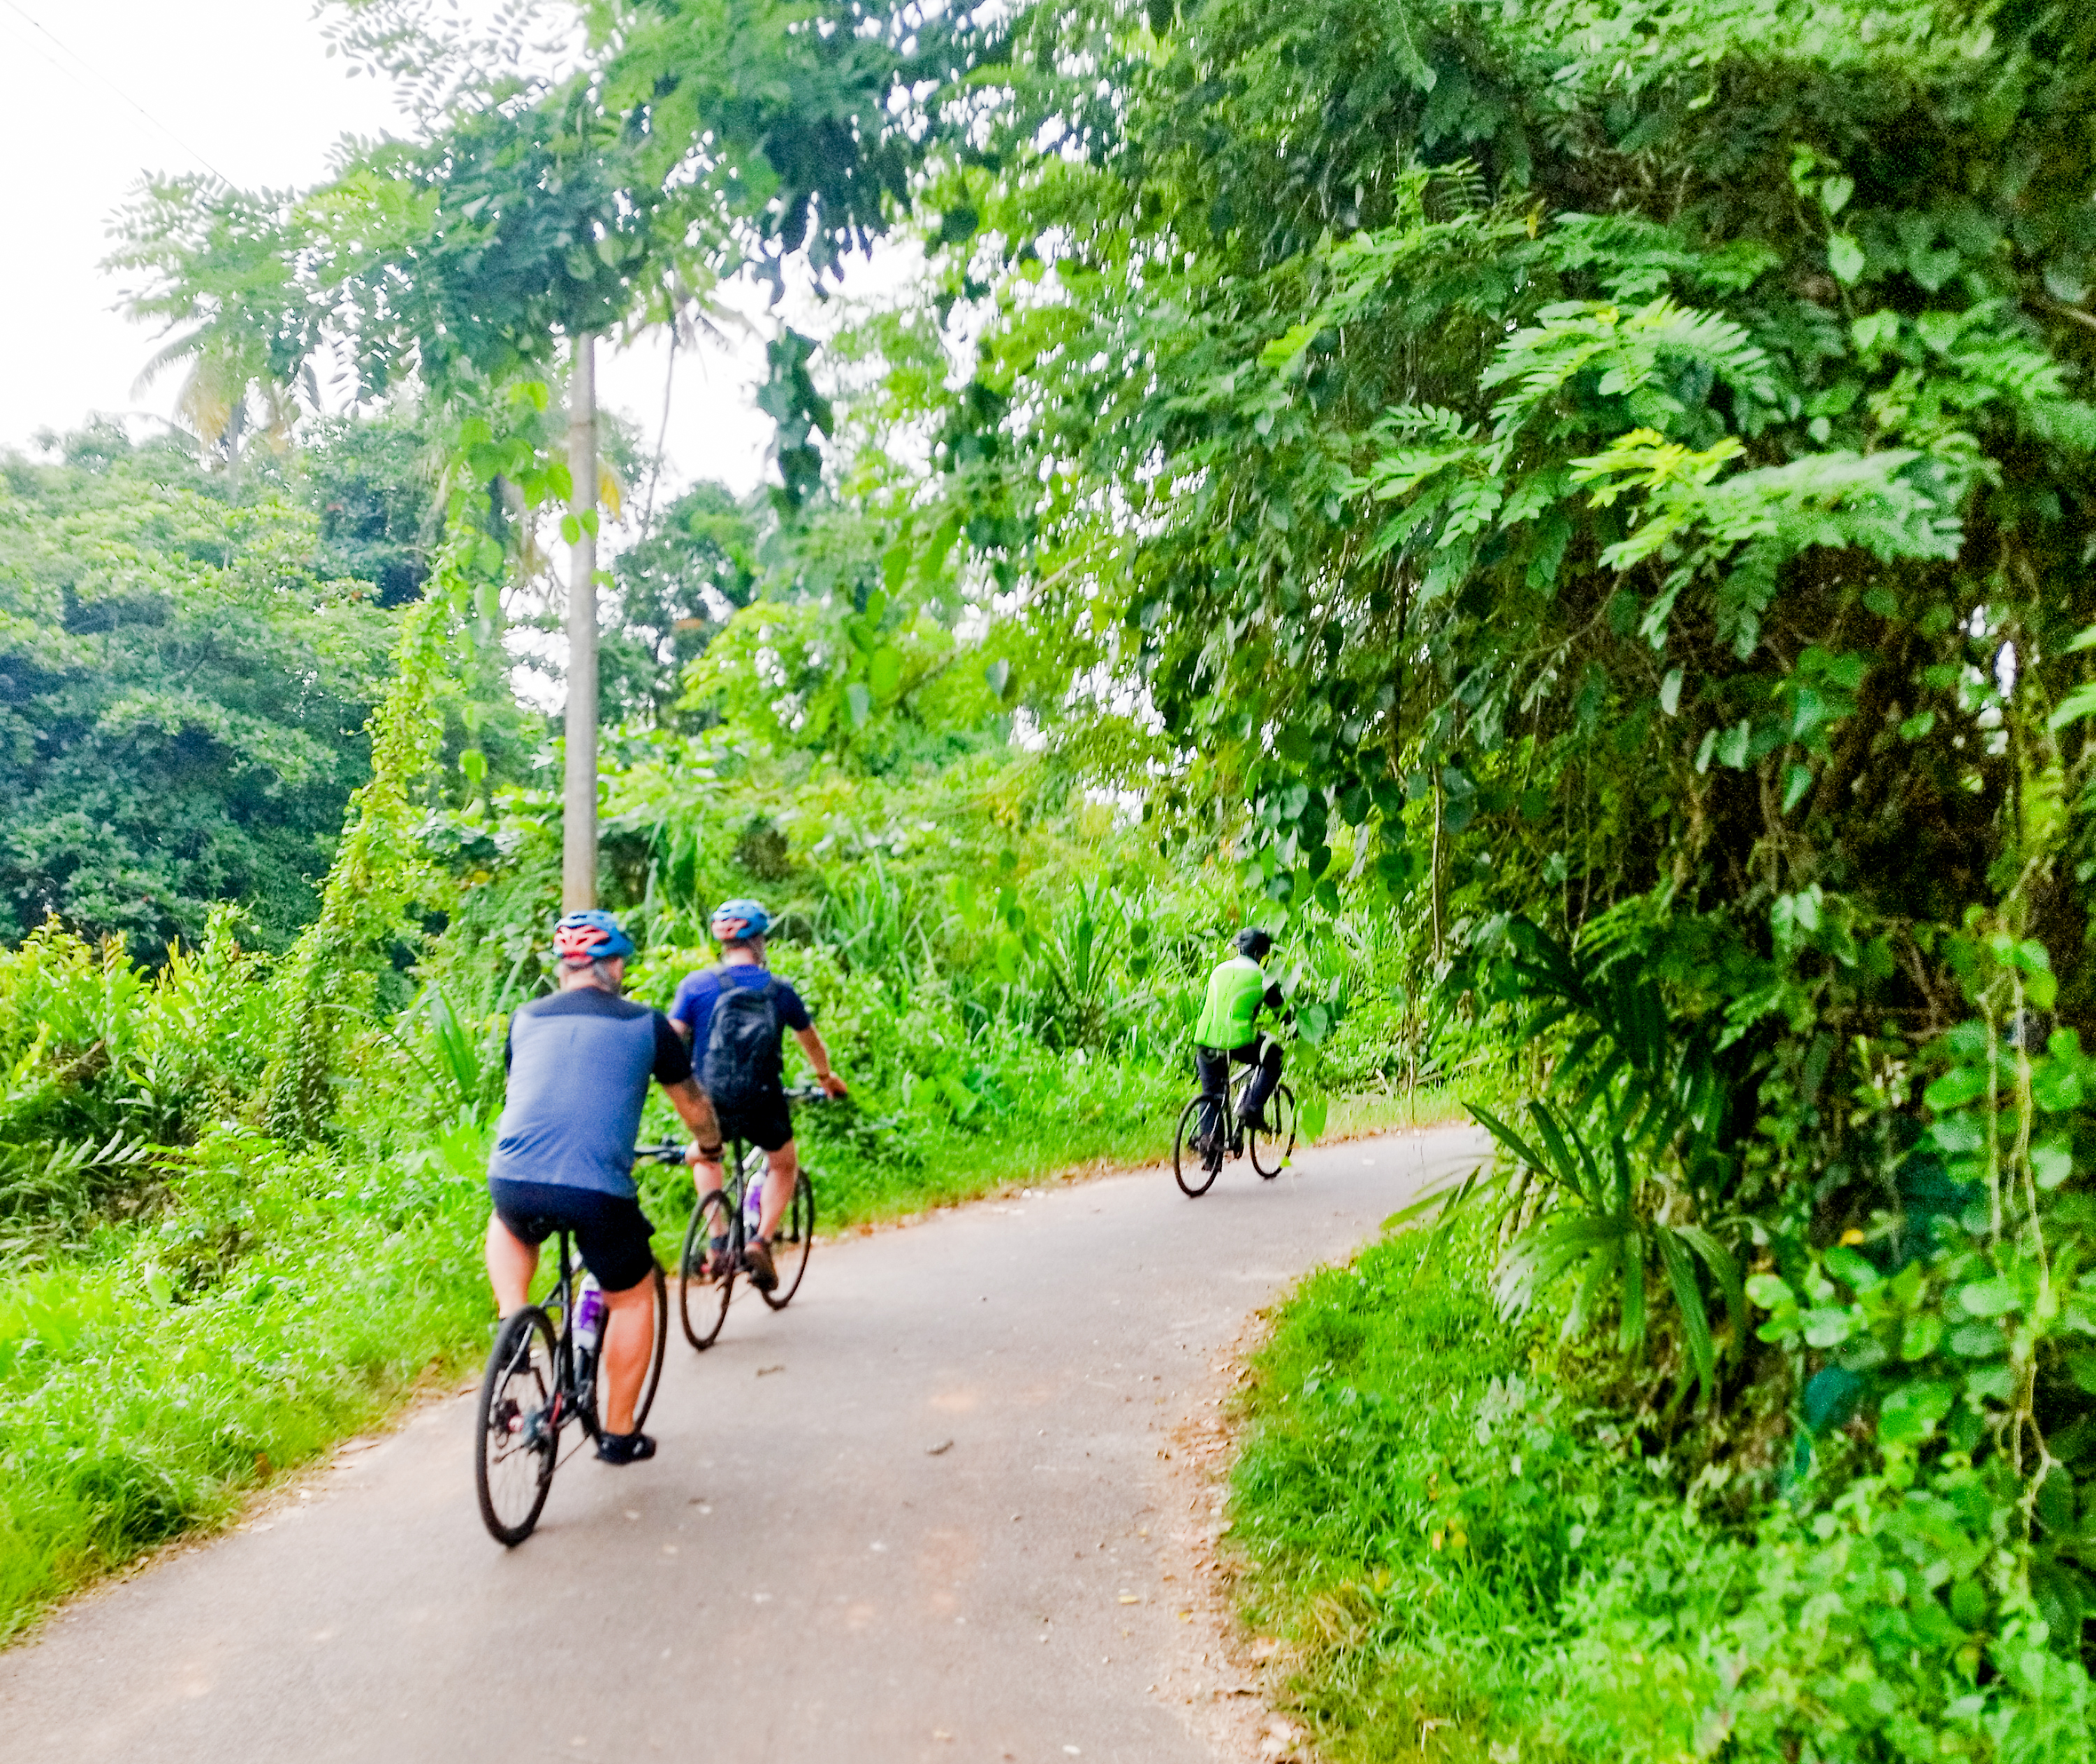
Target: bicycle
[540, 1380]
[1271, 1138]
[706, 1273]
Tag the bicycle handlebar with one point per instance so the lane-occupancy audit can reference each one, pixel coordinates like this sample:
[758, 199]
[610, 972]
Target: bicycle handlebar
[669, 1151]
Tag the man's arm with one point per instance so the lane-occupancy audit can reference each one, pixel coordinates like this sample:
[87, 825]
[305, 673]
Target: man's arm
[819, 1055]
[696, 1108]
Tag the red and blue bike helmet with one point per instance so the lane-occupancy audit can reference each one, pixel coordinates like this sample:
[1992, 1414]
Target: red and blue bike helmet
[738, 921]
[582, 938]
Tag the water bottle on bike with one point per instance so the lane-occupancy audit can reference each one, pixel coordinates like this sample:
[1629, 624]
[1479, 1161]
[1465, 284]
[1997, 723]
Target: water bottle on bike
[589, 1316]
[753, 1207]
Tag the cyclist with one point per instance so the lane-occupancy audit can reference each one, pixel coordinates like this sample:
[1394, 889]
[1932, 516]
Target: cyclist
[736, 1016]
[579, 1061]
[1237, 990]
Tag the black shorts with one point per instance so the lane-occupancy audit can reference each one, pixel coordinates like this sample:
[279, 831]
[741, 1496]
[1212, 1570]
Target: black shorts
[766, 1122]
[609, 1229]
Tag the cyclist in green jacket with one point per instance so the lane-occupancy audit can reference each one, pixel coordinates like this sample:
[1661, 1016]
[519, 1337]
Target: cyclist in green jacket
[1237, 990]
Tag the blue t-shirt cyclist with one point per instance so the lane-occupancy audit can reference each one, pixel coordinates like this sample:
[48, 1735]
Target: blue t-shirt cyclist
[579, 1061]
[743, 1075]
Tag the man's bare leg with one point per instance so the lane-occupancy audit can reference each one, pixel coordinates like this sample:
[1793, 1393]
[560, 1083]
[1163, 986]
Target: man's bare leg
[511, 1263]
[782, 1171]
[629, 1338]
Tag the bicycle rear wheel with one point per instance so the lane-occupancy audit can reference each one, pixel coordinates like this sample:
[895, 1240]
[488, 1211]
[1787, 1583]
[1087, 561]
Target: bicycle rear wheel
[791, 1243]
[518, 1427]
[1190, 1169]
[1272, 1135]
[702, 1289]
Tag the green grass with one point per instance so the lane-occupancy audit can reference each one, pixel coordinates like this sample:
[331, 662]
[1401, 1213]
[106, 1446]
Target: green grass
[281, 1306]
[1471, 1563]
[1466, 1566]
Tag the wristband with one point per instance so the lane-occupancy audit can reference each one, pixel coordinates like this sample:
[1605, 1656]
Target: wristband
[711, 1153]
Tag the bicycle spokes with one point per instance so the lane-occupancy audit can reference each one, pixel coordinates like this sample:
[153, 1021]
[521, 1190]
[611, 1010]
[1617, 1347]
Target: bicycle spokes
[520, 1414]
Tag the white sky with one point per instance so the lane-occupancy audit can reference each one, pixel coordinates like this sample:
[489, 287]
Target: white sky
[244, 87]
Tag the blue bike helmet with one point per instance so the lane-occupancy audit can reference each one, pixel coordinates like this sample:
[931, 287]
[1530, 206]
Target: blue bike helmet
[582, 938]
[739, 921]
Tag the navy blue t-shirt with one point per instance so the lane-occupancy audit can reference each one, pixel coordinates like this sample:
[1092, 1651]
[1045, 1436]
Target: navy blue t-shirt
[692, 1009]
[579, 1064]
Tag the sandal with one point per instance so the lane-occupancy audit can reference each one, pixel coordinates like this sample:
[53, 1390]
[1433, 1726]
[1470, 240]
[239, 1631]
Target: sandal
[757, 1258]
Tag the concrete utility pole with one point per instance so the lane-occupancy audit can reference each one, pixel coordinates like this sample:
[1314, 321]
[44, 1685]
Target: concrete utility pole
[578, 821]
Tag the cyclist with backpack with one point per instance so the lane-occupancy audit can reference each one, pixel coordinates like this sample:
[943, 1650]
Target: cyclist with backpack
[736, 1016]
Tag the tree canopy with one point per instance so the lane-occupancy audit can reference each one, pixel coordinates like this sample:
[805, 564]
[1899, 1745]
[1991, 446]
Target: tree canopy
[183, 688]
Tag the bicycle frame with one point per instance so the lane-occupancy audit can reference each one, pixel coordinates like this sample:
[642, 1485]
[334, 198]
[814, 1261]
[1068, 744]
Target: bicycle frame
[575, 1369]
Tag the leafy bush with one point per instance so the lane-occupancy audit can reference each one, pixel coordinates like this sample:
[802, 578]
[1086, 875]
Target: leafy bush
[1466, 1544]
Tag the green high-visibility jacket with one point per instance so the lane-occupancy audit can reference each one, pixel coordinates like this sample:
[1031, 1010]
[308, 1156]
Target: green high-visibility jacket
[1236, 990]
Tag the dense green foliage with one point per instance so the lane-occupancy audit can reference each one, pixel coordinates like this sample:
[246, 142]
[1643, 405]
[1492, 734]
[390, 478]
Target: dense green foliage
[1473, 1557]
[1578, 515]
[1637, 461]
[184, 678]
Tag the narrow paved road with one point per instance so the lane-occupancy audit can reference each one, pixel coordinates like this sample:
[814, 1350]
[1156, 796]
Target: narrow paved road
[799, 1575]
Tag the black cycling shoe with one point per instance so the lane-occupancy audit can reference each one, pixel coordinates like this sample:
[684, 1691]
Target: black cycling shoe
[625, 1447]
[757, 1258]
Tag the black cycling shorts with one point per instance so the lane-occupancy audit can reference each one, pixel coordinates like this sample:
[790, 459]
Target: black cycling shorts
[767, 1122]
[609, 1229]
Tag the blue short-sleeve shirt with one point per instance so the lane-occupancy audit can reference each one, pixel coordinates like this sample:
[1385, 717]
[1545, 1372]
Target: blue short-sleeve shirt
[579, 1064]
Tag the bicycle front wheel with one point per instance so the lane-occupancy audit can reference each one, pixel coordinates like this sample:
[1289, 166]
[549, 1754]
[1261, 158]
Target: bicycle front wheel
[517, 1430]
[1189, 1168]
[702, 1287]
[1272, 1135]
[791, 1243]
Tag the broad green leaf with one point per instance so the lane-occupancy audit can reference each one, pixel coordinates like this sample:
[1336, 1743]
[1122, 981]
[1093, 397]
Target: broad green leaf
[1770, 1290]
[1845, 257]
[1797, 781]
[1912, 1412]
[1923, 1335]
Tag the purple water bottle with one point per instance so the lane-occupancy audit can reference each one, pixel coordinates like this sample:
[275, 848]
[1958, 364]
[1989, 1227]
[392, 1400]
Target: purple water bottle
[753, 1207]
[589, 1316]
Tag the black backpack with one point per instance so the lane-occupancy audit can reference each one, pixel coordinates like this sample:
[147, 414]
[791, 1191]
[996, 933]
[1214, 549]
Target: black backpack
[740, 1065]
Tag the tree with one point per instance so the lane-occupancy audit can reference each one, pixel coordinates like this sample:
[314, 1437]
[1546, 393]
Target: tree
[677, 583]
[182, 696]
[374, 485]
